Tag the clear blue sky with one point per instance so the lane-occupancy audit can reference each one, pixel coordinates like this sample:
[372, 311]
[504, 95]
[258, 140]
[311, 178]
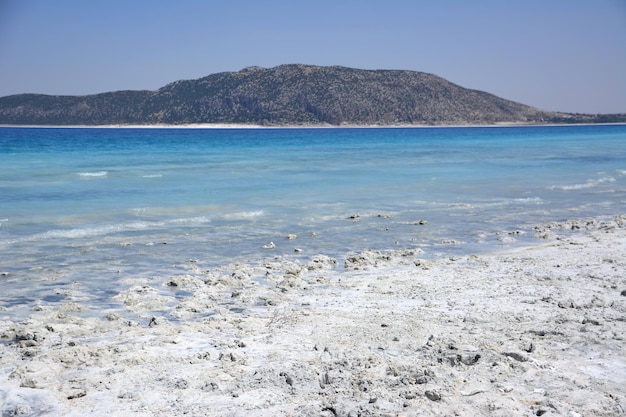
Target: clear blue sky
[567, 55]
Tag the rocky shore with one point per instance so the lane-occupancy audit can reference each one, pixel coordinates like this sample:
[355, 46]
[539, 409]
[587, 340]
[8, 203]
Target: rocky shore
[528, 332]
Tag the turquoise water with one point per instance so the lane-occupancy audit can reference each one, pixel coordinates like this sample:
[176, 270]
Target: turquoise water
[78, 205]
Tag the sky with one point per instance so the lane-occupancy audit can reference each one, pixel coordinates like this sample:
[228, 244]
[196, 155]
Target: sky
[563, 55]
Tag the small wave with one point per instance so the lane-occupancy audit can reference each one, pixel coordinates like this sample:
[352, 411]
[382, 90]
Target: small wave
[530, 200]
[497, 203]
[191, 220]
[243, 215]
[329, 217]
[77, 232]
[97, 174]
[140, 225]
[175, 211]
[588, 184]
[152, 176]
[81, 232]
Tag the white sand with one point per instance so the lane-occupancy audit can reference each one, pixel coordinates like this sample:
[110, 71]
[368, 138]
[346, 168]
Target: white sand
[536, 331]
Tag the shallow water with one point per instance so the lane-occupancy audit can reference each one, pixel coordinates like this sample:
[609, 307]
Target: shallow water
[82, 208]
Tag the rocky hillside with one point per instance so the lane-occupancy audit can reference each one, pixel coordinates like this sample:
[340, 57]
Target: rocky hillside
[284, 95]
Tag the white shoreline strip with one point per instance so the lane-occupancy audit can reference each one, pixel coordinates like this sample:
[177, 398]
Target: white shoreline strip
[245, 126]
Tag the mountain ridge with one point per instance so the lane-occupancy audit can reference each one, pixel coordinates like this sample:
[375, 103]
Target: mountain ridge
[288, 95]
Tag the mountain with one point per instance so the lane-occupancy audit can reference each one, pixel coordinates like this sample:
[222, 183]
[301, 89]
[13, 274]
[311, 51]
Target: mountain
[289, 95]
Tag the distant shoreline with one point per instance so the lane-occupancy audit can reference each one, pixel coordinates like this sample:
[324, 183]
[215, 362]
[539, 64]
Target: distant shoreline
[245, 126]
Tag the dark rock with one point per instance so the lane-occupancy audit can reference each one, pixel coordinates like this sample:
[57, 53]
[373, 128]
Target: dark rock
[180, 383]
[209, 386]
[469, 359]
[288, 379]
[422, 379]
[517, 356]
[229, 357]
[433, 395]
[78, 394]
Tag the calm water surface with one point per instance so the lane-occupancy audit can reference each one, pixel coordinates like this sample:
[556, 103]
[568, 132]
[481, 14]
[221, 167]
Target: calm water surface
[79, 205]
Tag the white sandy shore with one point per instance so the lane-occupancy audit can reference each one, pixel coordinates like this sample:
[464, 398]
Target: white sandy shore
[535, 331]
[296, 126]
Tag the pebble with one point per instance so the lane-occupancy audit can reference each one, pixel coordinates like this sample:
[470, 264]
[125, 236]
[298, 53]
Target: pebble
[422, 379]
[433, 395]
[469, 359]
[566, 304]
[517, 356]
[78, 394]
[270, 245]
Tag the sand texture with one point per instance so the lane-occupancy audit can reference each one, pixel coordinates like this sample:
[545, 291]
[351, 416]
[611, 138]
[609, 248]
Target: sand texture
[532, 331]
